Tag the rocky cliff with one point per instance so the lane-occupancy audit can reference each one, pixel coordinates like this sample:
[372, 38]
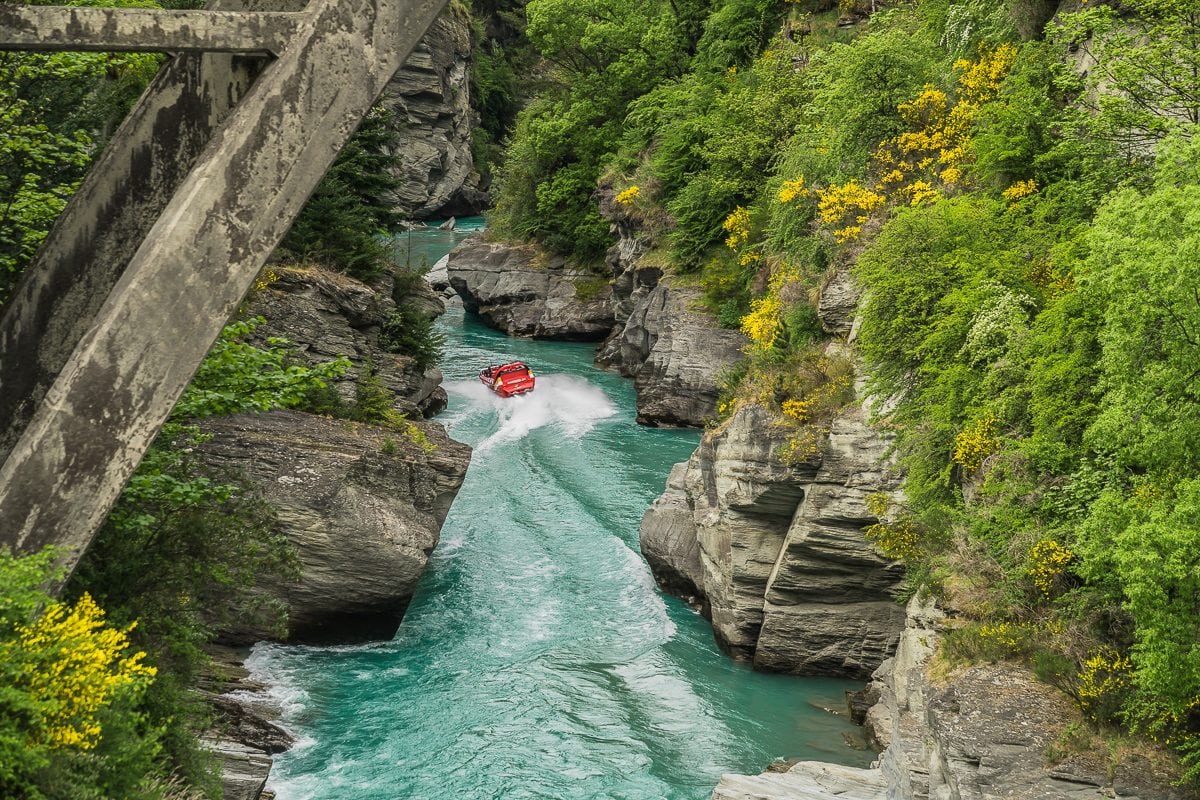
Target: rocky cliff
[524, 292]
[431, 100]
[662, 337]
[673, 349]
[326, 315]
[654, 328]
[362, 506]
[774, 552]
[987, 731]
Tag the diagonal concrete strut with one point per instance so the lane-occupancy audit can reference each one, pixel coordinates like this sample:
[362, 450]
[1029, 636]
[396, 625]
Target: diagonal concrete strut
[193, 266]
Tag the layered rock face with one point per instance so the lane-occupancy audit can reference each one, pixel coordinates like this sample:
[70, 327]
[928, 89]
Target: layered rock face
[361, 505]
[520, 291]
[774, 552]
[987, 731]
[326, 315]
[431, 96]
[675, 351]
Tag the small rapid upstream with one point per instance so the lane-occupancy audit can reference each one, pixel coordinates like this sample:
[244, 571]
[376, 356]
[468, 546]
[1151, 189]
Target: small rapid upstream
[538, 660]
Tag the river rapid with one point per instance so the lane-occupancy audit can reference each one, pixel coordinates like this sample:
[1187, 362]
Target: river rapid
[538, 659]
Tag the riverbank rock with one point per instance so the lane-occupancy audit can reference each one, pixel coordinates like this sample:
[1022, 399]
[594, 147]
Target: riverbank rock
[807, 780]
[361, 505]
[674, 349]
[524, 292]
[431, 100]
[326, 315]
[244, 734]
[676, 354]
[990, 730]
[986, 731]
[786, 575]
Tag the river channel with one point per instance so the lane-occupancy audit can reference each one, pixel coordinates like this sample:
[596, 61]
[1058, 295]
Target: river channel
[538, 659]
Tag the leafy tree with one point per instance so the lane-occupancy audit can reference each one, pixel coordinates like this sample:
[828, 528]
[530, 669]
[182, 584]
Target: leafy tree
[1143, 71]
[56, 110]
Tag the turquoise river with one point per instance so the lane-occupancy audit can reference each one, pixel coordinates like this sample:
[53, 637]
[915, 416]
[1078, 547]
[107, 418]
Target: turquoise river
[538, 660]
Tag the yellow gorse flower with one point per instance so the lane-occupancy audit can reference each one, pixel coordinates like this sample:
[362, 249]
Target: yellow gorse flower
[1020, 189]
[737, 225]
[1048, 561]
[976, 442]
[762, 324]
[791, 190]
[627, 197]
[74, 666]
[915, 166]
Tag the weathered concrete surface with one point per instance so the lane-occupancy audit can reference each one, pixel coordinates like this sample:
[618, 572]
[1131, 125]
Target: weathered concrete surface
[110, 30]
[107, 218]
[362, 506]
[522, 292]
[193, 267]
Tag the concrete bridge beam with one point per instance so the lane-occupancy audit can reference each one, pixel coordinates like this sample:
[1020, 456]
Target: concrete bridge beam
[194, 265]
[89, 28]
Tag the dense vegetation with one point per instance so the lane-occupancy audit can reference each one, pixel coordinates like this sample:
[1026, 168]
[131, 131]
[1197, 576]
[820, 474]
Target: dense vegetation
[1024, 234]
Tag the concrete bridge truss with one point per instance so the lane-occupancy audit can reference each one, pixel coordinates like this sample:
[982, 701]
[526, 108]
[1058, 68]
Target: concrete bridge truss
[170, 228]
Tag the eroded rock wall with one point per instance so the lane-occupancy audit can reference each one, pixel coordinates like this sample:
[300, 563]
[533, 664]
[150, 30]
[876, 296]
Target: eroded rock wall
[983, 732]
[362, 506]
[327, 315]
[523, 292]
[431, 99]
[774, 551]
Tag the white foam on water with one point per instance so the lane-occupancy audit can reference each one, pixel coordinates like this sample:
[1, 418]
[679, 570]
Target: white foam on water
[572, 404]
[642, 593]
[282, 689]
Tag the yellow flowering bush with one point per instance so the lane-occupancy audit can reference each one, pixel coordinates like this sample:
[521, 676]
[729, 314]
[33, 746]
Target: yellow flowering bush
[791, 190]
[627, 196]
[1048, 561]
[737, 225]
[1104, 677]
[847, 207]
[1020, 189]
[797, 410]
[761, 325]
[899, 538]
[976, 442]
[915, 166]
[73, 665]
[265, 279]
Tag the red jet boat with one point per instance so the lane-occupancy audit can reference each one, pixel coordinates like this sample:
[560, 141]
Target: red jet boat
[508, 379]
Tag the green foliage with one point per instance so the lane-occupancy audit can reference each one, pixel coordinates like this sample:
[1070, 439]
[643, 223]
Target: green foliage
[411, 333]
[38, 672]
[1144, 85]
[56, 110]
[236, 376]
